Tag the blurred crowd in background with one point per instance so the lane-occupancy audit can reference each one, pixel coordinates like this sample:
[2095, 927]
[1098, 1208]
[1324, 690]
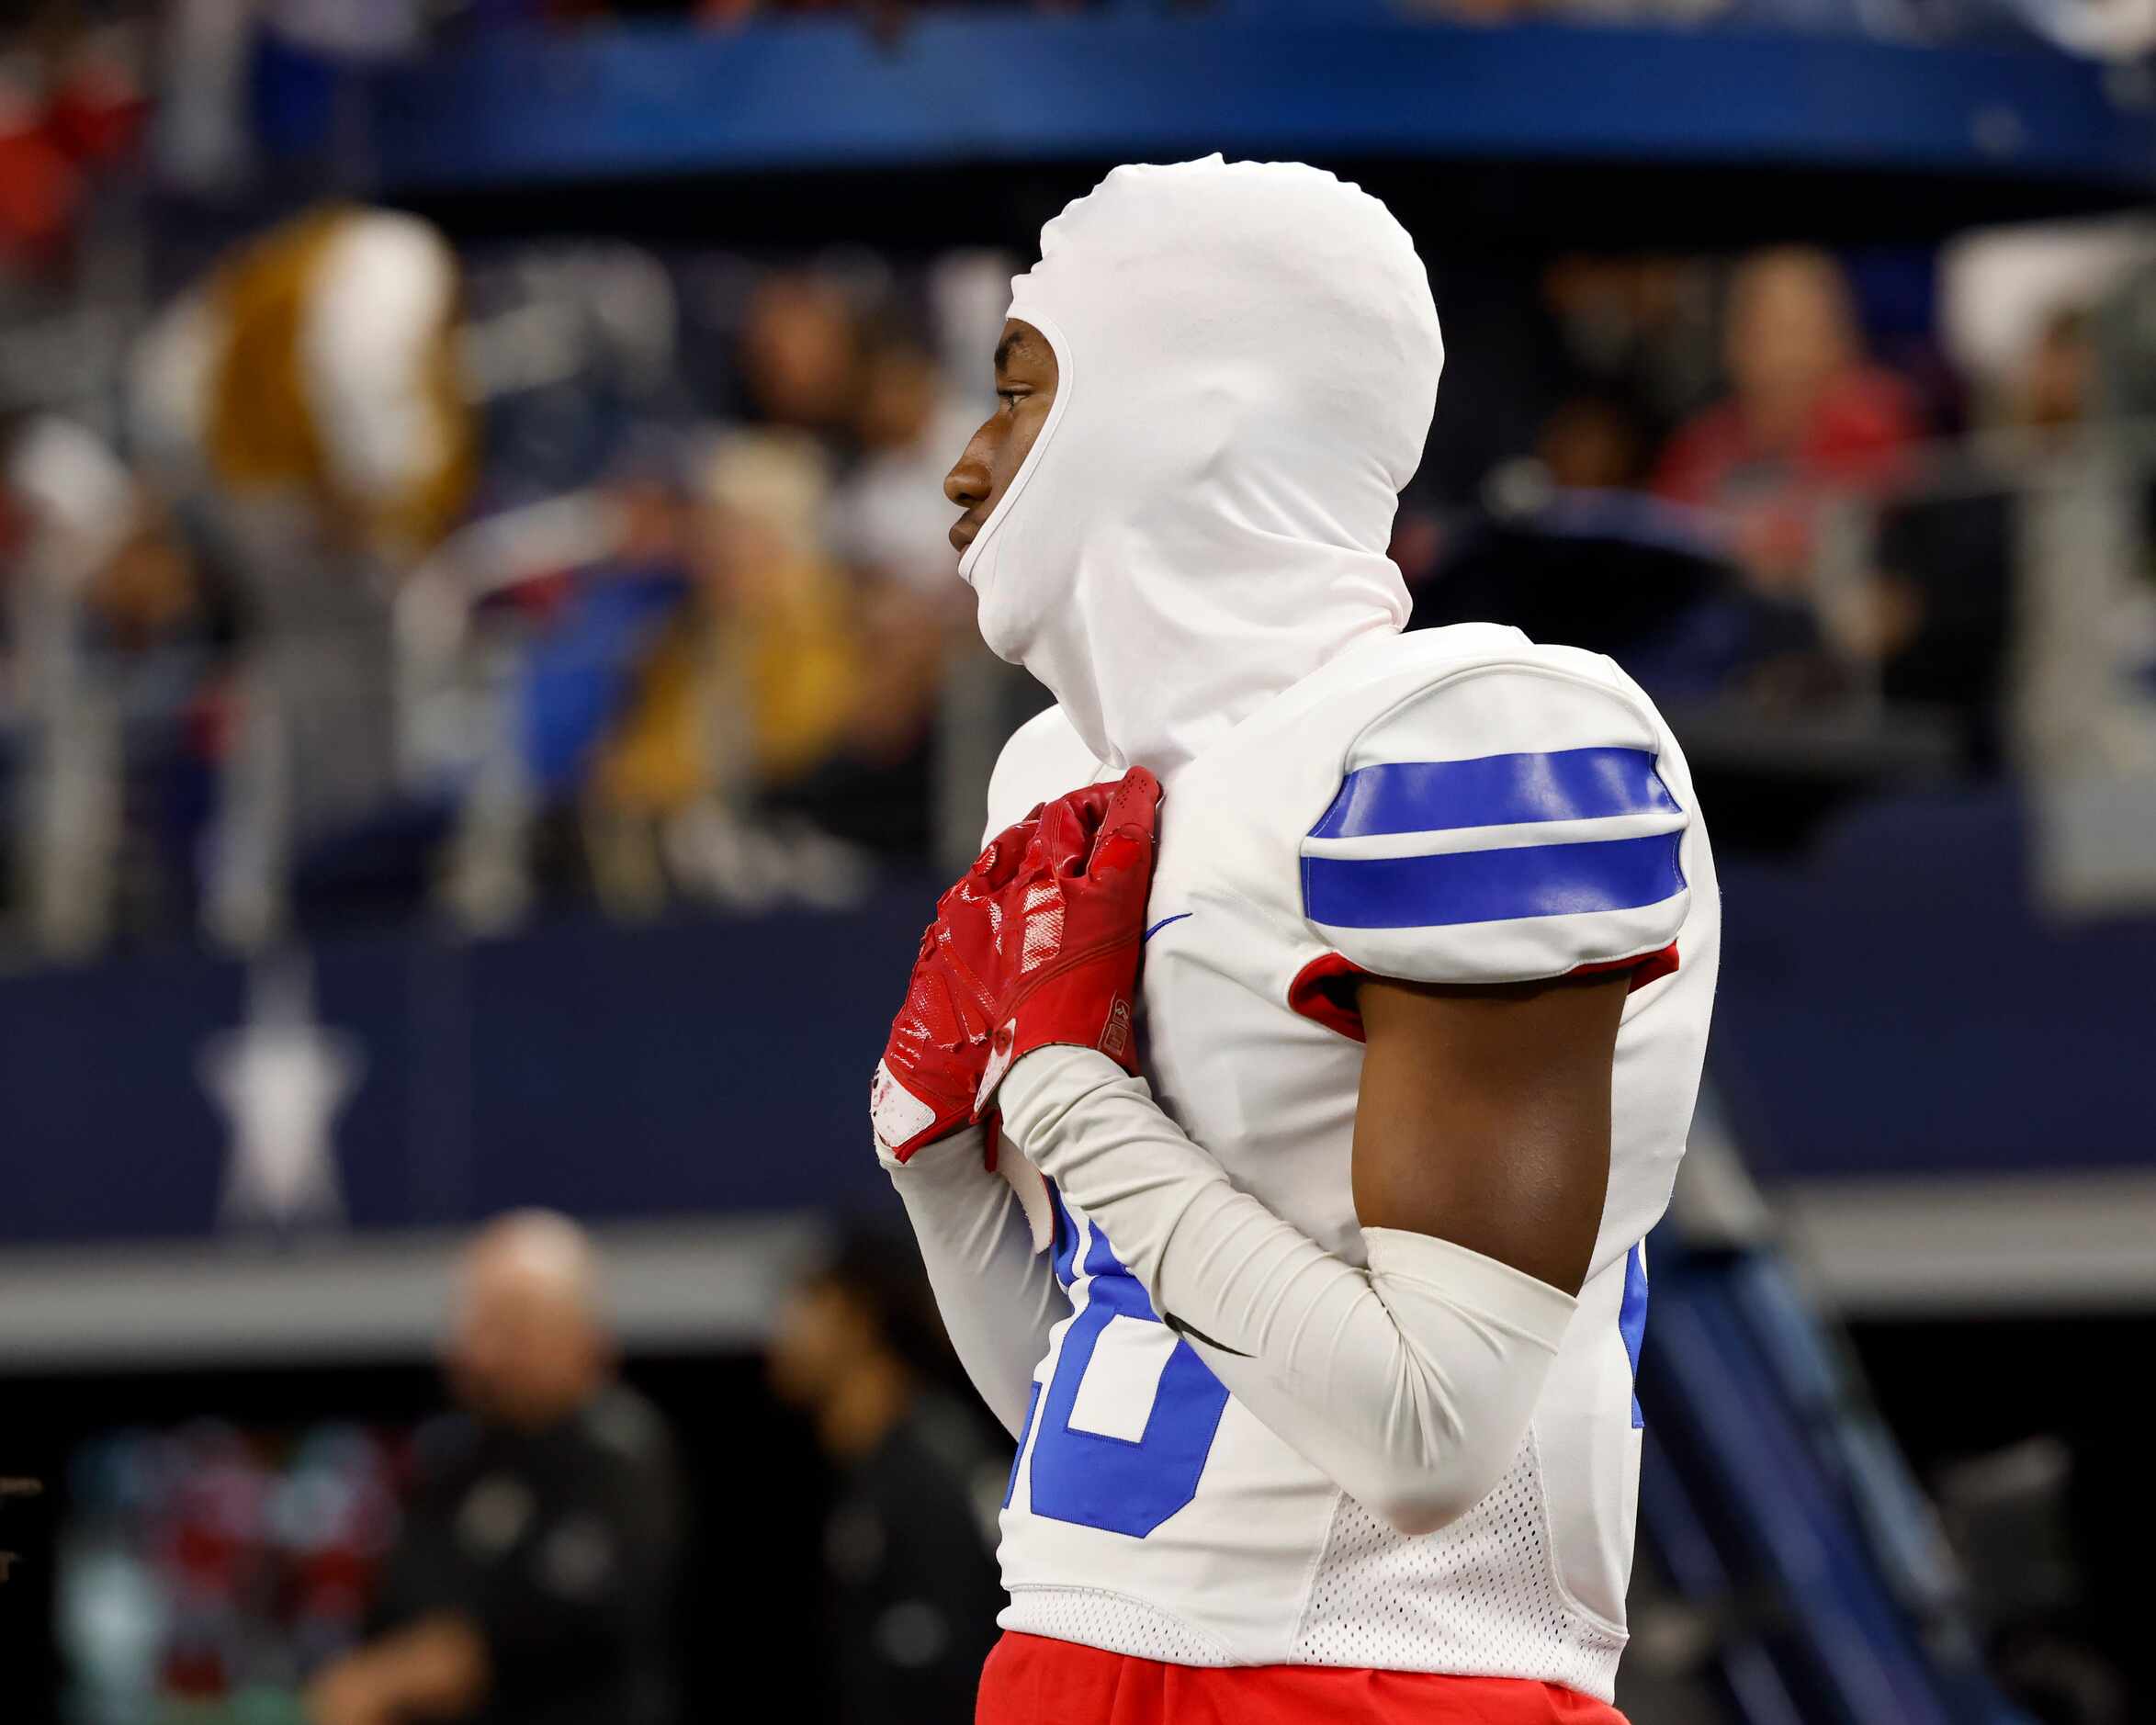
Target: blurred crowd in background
[348, 568]
[432, 557]
[383, 574]
[380, 553]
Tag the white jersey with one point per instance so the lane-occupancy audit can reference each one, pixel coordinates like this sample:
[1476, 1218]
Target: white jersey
[1460, 805]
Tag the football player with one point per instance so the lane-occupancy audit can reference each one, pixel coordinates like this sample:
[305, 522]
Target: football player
[1322, 1385]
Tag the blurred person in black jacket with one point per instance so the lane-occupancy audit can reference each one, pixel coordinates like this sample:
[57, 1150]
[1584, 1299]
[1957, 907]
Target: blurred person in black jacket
[534, 1579]
[911, 1587]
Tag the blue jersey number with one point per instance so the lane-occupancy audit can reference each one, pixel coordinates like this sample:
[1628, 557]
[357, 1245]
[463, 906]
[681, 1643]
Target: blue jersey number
[1108, 1483]
[1123, 1487]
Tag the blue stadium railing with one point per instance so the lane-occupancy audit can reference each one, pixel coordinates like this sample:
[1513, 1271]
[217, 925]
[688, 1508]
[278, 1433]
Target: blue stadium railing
[1781, 1511]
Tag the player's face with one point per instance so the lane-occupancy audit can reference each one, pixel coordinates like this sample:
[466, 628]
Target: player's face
[1026, 389]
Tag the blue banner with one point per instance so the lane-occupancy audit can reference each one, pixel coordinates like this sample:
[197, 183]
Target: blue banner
[410, 1080]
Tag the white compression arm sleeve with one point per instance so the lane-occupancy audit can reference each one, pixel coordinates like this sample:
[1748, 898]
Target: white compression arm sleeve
[997, 1298]
[1410, 1383]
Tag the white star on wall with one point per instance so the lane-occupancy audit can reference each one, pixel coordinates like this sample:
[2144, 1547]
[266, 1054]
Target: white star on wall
[281, 1081]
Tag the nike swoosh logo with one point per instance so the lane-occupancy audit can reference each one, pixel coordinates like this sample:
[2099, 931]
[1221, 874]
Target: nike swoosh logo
[1181, 1328]
[1162, 924]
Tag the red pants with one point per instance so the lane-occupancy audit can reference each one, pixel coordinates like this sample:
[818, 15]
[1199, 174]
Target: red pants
[1032, 1681]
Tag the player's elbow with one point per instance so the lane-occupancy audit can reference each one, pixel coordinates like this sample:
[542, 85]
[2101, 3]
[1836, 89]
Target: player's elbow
[1472, 1347]
[1413, 1507]
[1421, 1512]
[1434, 1490]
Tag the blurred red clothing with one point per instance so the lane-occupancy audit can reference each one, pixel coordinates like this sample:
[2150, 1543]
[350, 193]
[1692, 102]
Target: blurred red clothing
[55, 121]
[1853, 434]
[40, 189]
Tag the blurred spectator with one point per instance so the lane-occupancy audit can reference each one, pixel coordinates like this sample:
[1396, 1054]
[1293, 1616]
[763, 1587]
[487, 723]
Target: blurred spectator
[71, 105]
[752, 685]
[1640, 328]
[911, 1585]
[2055, 386]
[1565, 549]
[890, 519]
[161, 629]
[66, 505]
[1592, 443]
[534, 1579]
[891, 522]
[1805, 415]
[1945, 596]
[1997, 288]
[788, 639]
[800, 352]
[305, 408]
[116, 637]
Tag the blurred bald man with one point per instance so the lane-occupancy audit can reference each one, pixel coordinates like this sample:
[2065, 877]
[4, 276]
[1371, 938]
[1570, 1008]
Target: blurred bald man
[533, 1580]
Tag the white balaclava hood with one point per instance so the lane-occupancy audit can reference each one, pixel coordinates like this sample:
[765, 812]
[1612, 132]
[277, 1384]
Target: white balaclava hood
[1249, 357]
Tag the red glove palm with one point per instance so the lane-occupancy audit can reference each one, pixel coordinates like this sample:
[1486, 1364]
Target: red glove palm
[931, 1066]
[1059, 939]
[1037, 943]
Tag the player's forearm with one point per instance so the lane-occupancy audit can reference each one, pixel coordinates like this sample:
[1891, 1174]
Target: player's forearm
[998, 1300]
[1410, 1383]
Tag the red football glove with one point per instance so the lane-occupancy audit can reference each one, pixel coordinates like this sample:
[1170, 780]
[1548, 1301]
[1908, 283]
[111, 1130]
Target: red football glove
[1037, 943]
[931, 1066]
[1058, 939]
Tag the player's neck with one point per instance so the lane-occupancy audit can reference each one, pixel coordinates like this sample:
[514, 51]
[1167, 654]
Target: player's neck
[1152, 724]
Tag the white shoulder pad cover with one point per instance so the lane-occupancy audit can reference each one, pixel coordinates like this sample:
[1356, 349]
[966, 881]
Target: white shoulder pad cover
[1045, 757]
[1506, 824]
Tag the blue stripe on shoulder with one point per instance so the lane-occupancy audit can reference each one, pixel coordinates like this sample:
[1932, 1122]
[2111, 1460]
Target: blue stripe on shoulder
[1541, 880]
[1495, 791]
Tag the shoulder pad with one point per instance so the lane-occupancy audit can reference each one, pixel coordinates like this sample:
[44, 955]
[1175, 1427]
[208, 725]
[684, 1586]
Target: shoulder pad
[1505, 821]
